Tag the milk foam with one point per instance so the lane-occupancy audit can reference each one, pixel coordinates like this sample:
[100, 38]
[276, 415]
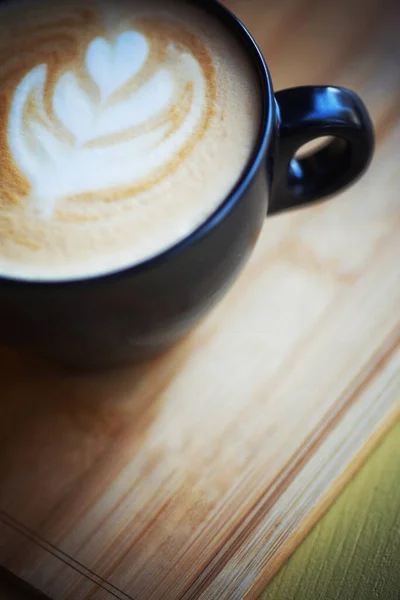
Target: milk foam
[57, 169]
[123, 126]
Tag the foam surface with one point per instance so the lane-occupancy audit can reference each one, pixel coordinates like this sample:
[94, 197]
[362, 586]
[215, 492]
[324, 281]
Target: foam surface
[125, 125]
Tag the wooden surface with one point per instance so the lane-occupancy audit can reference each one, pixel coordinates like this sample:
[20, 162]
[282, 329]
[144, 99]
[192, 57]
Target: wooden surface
[354, 550]
[196, 476]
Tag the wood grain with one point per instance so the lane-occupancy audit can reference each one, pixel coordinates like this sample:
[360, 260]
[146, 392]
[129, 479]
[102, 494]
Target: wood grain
[354, 551]
[193, 476]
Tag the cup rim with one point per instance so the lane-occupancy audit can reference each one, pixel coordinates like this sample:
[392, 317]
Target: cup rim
[227, 204]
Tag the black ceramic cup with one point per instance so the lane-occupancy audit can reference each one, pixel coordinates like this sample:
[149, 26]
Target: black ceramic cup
[140, 311]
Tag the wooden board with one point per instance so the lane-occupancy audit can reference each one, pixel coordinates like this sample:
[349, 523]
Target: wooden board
[194, 476]
[353, 552]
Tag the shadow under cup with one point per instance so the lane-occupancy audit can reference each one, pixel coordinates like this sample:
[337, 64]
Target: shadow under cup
[140, 311]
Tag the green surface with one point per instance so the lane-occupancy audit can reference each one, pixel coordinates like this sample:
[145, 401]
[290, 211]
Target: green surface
[354, 551]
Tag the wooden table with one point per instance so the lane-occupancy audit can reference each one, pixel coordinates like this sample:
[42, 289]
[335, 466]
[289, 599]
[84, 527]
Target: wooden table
[354, 550]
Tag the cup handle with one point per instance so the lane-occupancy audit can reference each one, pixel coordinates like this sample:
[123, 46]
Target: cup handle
[308, 113]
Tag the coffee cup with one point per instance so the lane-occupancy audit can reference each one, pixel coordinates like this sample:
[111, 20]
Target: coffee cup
[141, 147]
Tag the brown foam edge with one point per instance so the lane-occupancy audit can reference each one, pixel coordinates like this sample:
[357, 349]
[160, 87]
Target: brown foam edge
[322, 507]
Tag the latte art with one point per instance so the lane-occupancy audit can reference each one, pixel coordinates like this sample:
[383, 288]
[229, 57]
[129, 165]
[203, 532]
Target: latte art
[122, 127]
[116, 136]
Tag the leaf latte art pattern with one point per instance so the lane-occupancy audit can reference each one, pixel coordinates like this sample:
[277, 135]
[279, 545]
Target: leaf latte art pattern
[116, 122]
[124, 124]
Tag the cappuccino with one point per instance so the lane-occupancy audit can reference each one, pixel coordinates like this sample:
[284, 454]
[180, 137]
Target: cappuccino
[123, 126]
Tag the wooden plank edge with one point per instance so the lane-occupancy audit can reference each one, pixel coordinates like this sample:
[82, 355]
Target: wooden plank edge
[38, 551]
[307, 524]
[315, 515]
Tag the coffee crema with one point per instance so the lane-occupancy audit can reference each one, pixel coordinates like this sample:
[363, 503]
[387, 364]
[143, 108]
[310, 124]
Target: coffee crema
[123, 126]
